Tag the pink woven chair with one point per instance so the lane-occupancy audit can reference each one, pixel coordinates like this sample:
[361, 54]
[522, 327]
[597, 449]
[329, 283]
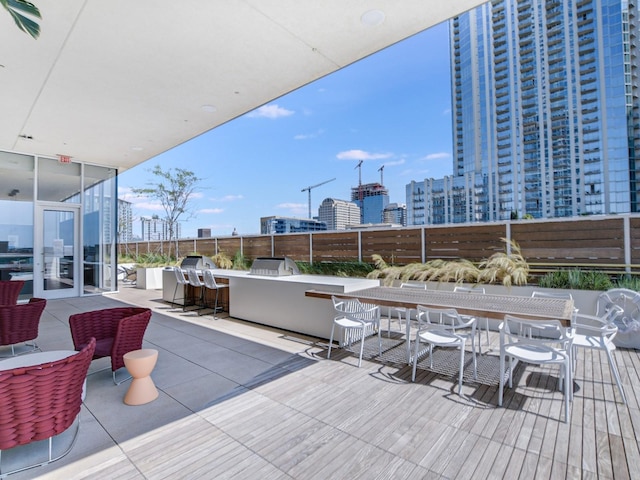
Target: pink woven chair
[19, 323]
[116, 330]
[39, 402]
[10, 291]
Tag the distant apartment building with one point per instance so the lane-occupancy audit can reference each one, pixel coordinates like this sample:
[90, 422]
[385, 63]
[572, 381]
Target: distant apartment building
[337, 214]
[204, 233]
[275, 224]
[125, 221]
[156, 228]
[372, 198]
[395, 213]
[546, 120]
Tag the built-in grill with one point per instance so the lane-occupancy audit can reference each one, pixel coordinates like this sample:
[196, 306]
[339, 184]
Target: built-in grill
[274, 266]
[197, 262]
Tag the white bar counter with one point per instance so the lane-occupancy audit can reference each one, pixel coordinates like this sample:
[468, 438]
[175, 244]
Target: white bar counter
[280, 301]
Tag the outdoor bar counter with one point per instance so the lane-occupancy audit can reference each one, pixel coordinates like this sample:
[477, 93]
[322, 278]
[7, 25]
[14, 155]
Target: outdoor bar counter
[280, 302]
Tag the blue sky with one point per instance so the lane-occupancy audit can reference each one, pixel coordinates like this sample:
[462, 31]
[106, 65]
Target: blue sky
[392, 108]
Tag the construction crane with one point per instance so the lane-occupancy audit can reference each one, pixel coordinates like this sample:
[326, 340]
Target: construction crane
[359, 167]
[309, 188]
[381, 170]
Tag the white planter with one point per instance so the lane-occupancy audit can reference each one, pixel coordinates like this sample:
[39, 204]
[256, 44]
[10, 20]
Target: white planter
[149, 278]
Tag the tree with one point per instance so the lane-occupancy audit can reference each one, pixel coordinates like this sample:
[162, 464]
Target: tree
[174, 189]
[23, 13]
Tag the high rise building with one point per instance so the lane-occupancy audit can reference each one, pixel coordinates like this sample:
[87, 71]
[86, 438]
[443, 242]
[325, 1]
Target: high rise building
[337, 214]
[372, 198]
[125, 221]
[395, 213]
[275, 224]
[204, 233]
[156, 228]
[546, 119]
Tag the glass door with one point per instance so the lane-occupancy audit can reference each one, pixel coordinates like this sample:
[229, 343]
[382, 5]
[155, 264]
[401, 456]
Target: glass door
[56, 260]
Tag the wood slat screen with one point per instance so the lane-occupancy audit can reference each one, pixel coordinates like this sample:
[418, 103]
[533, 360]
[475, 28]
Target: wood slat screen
[253, 247]
[472, 242]
[395, 246]
[295, 246]
[583, 241]
[335, 246]
[229, 246]
[634, 231]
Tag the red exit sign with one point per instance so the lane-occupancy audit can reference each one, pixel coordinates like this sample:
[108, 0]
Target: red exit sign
[64, 159]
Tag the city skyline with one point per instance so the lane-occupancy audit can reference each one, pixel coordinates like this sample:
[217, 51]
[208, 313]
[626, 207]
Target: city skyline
[392, 108]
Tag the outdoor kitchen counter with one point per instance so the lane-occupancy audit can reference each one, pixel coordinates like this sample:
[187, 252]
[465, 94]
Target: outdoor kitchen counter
[281, 302]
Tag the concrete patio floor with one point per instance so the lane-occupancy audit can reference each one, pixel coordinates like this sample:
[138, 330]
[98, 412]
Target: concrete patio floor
[239, 400]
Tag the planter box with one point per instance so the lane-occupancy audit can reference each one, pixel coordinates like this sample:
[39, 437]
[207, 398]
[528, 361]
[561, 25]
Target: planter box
[149, 278]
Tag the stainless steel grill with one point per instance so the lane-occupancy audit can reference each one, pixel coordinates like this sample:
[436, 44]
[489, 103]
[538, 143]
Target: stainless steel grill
[197, 262]
[274, 266]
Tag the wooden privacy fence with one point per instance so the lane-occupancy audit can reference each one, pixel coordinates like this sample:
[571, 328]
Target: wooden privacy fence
[610, 243]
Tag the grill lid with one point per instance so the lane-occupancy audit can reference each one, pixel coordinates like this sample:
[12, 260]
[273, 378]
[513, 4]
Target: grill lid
[274, 266]
[196, 262]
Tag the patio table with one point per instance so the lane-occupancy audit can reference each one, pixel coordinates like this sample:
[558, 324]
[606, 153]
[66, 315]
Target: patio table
[487, 305]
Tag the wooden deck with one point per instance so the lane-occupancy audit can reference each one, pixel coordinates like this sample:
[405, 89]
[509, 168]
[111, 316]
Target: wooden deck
[246, 402]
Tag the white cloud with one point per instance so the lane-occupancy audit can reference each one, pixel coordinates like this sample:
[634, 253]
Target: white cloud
[362, 155]
[437, 156]
[228, 198]
[147, 205]
[270, 111]
[295, 209]
[395, 163]
[211, 210]
[307, 136]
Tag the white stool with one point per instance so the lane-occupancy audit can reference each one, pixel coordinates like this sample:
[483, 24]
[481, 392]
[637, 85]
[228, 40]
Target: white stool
[140, 364]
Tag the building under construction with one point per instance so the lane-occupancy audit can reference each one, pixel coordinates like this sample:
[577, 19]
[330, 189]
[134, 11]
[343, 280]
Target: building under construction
[372, 198]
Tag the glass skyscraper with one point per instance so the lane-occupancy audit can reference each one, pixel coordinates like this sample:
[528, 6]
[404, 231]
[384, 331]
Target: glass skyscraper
[545, 113]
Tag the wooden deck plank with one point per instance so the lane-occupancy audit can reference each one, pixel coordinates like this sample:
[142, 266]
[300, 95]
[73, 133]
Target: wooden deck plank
[330, 419]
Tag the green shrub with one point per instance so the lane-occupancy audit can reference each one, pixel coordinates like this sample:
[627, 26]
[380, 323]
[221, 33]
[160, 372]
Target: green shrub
[240, 262]
[338, 269]
[632, 282]
[576, 279]
[152, 259]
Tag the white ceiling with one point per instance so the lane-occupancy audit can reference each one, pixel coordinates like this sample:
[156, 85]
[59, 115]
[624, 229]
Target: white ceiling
[118, 82]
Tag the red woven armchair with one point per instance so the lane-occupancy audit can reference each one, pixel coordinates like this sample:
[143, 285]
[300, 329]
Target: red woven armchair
[116, 330]
[39, 402]
[19, 323]
[10, 291]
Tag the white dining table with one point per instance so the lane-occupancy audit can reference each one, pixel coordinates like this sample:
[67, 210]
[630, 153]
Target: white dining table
[487, 305]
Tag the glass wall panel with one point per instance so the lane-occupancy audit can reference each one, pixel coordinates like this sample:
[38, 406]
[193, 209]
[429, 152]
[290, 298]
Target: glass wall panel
[58, 182]
[16, 219]
[99, 236]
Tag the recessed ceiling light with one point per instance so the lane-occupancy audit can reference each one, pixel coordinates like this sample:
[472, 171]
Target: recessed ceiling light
[137, 148]
[209, 108]
[372, 18]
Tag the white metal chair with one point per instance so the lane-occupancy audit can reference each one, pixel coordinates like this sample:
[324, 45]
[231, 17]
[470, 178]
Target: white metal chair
[357, 321]
[403, 313]
[211, 284]
[597, 332]
[444, 327]
[480, 291]
[551, 345]
[194, 280]
[181, 282]
[561, 295]
[628, 322]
